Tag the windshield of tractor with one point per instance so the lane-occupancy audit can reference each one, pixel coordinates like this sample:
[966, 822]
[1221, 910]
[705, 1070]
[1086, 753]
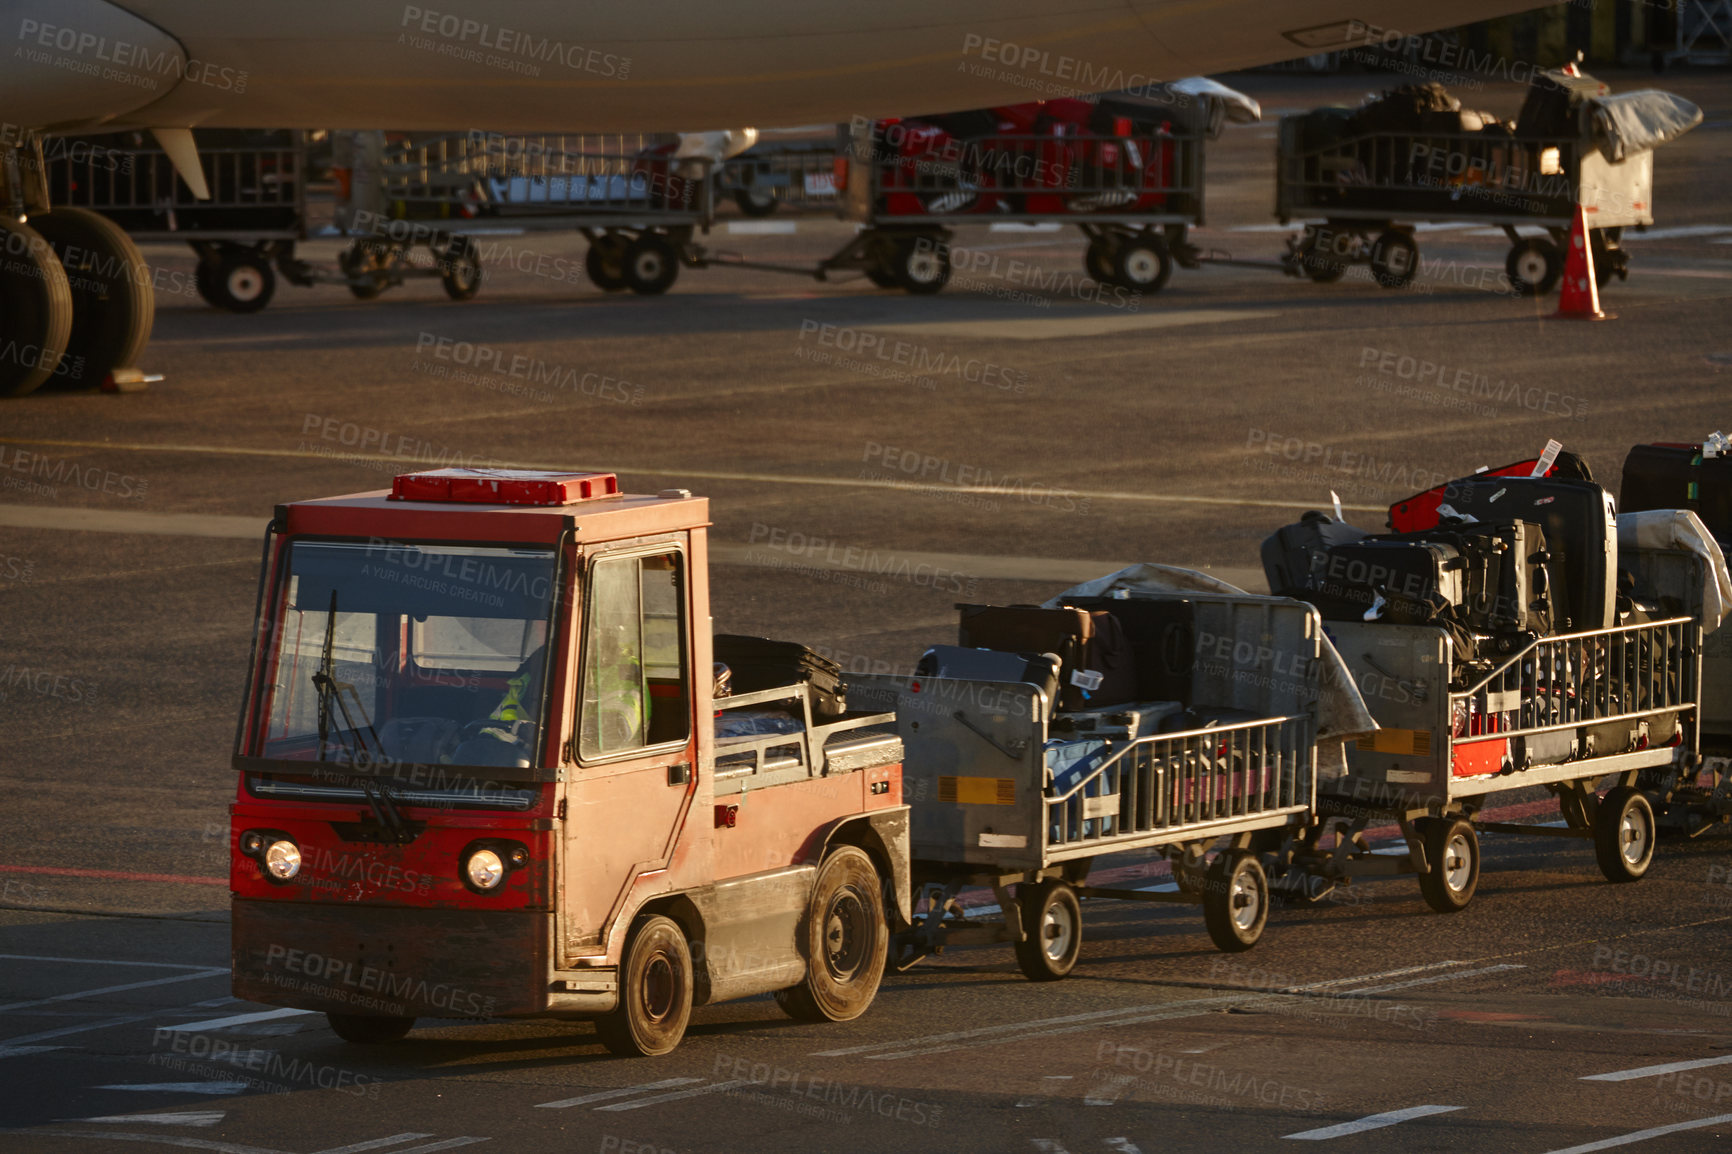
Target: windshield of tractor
[430, 654]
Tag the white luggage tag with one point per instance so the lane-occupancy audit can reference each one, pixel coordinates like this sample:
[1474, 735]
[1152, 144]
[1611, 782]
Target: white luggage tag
[1547, 459]
[1087, 680]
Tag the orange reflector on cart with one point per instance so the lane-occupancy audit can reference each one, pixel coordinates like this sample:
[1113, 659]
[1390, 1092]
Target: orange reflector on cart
[977, 790]
[1411, 742]
[504, 486]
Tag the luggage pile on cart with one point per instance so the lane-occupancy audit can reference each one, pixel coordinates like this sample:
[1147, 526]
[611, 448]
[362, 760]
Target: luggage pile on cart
[1415, 155]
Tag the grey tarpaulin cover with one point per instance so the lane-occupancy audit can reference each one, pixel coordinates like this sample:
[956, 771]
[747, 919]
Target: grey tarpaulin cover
[1682, 530]
[1635, 122]
[1341, 711]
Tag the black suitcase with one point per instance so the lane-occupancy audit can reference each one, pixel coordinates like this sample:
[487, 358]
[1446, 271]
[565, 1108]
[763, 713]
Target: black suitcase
[1580, 525]
[1399, 580]
[1505, 585]
[1036, 669]
[756, 663]
[1163, 640]
[1679, 477]
[1294, 555]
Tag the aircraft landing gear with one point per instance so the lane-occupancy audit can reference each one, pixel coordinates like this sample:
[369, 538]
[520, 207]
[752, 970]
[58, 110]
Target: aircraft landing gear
[113, 302]
[35, 309]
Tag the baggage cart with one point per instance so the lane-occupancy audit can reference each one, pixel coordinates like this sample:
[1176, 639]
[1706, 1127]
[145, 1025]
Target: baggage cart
[783, 177]
[1372, 188]
[246, 232]
[1010, 792]
[1564, 712]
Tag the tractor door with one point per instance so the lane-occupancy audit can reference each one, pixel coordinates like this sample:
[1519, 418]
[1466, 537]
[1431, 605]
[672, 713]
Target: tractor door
[629, 794]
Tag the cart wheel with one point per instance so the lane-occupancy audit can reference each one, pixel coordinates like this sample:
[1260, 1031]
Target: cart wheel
[602, 263]
[922, 264]
[1609, 261]
[1452, 852]
[845, 940]
[1314, 259]
[1142, 264]
[1534, 266]
[1624, 835]
[1098, 261]
[366, 264]
[1236, 900]
[369, 1031]
[655, 992]
[755, 203]
[1394, 259]
[460, 269]
[650, 265]
[241, 282]
[38, 308]
[1052, 917]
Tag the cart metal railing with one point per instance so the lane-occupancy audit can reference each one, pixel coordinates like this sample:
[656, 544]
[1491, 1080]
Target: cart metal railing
[1174, 783]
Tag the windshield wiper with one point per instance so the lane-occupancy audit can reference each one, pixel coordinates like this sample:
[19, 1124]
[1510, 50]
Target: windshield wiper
[379, 798]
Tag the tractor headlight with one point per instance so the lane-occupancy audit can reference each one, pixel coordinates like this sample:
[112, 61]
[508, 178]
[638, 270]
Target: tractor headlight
[283, 860]
[484, 870]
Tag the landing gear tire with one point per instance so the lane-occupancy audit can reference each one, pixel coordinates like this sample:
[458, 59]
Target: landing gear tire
[655, 992]
[650, 265]
[923, 264]
[1394, 259]
[1452, 852]
[845, 940]
[1624, 835]
[364, 1030]
[755, 203]
[1534, 266]
[113, 303]
[36, 319]
[460, 269]
[1236, 901]
[1142, 264]
[602, 263]
[1052, 923]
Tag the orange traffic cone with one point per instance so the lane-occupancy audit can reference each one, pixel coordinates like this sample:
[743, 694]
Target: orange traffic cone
[1579, 298]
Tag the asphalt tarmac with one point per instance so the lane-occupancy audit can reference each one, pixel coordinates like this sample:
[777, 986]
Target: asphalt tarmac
[1053, 434]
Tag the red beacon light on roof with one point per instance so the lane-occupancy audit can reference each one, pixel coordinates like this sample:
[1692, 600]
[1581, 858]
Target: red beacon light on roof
[504, 486]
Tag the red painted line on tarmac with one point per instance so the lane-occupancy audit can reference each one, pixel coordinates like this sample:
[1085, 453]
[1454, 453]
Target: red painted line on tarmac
[114, 875]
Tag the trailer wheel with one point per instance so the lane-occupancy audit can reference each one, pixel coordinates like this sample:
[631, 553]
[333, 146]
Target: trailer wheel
[1452, 853]
[922, 264]
[846, 941]
[366, 264]
[754, 203]
[1394, 259]
[1236, 900]
[460, 269]
[1052, 924]
[35, 309]
[1098, 261]
[1142, 264]
[1624, 834]
[650, 265]
[241, 281]
[602, 263]
[113, 303]
[1534, 266]
[655, 992]
[365, 1030]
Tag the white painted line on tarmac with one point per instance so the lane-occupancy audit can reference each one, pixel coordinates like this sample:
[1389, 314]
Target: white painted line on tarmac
[1372, 1122]
[158, 1139]
[1644, 1135]
[761, 228]
[446, 1144]
[76, 995]
[675, 1096]
[97, 962]
[1656, 1071]
[1108, 1091]
[237, 1019]
[1089, 1020]
[1077, 325]
[212, 1088]
[375, 1144]
[25, 1051]
[1121, 1146]
[606, 1095]
[1456, 977]
[1401, 973]
[192, 1118]
[1676, 232]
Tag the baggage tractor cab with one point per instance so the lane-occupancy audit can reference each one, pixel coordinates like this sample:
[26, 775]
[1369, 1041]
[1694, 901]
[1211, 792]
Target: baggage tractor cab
[484, 773]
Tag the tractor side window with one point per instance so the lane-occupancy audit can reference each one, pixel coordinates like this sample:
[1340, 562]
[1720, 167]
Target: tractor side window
[635, 678]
